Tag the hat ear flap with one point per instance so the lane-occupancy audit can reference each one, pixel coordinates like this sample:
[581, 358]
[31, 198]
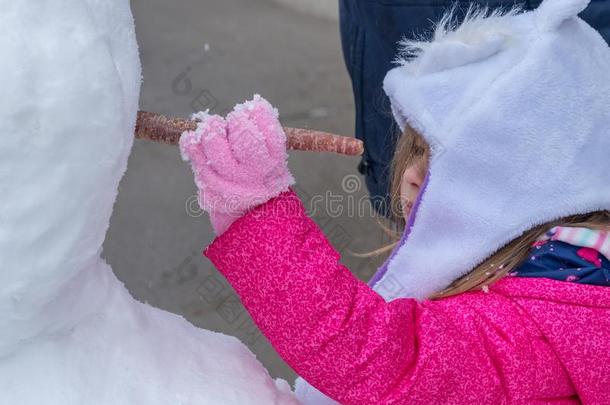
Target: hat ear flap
[553, 13]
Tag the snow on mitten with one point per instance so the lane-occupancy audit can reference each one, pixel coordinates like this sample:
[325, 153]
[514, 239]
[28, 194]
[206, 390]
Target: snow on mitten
[238, 162]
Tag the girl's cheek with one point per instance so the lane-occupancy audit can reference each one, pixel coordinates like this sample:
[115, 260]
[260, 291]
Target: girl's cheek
[409, 189]
[407, 206]
[408, 194]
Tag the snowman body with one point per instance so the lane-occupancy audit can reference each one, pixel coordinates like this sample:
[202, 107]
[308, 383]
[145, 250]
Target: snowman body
[70, 333]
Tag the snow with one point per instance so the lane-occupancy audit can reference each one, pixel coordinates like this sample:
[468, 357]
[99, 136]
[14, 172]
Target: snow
[69, 331]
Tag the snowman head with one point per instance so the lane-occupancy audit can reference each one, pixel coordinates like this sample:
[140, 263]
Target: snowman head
[515, 108]
[71, 79]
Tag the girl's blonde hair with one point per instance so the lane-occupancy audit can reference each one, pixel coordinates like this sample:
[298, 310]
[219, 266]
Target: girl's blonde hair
[412, 149]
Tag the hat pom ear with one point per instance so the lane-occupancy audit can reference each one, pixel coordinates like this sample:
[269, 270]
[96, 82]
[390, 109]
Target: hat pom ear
[451, 54]
[553, 13]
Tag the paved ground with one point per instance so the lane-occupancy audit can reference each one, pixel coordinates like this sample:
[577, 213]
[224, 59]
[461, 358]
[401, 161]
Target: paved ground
[201, 54]
[322, 8]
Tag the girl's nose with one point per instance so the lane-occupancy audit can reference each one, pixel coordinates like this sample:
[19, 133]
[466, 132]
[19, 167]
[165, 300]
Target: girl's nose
[413, 177]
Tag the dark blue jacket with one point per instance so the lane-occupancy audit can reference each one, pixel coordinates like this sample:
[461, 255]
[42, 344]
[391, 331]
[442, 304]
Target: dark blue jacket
[370, 30]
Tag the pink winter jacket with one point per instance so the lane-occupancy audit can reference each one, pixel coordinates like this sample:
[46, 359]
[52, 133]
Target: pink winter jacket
[527, 341]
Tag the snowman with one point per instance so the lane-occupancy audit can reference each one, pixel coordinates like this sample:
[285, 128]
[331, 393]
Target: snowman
[70, 333]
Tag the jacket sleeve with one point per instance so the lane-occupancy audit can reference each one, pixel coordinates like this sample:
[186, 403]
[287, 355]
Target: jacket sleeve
[331, 328]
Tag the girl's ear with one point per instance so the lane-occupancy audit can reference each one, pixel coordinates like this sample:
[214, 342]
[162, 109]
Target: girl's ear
[553, 13]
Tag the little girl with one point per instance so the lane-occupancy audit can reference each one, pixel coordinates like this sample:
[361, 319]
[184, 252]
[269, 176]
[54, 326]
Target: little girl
[498, 291]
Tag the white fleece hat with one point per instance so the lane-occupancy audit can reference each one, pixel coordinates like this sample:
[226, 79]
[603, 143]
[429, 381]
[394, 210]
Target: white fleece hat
[516, 107]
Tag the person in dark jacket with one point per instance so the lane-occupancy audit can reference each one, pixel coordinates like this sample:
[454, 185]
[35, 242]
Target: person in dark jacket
[370, 31]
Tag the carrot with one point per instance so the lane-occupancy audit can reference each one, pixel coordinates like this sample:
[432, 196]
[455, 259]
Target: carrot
[167, 130]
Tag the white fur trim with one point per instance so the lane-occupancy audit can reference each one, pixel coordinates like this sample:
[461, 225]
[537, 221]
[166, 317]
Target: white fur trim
[481, 34]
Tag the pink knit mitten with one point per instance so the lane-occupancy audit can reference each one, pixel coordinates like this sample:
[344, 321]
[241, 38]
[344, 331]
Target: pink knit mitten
[238, 162]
